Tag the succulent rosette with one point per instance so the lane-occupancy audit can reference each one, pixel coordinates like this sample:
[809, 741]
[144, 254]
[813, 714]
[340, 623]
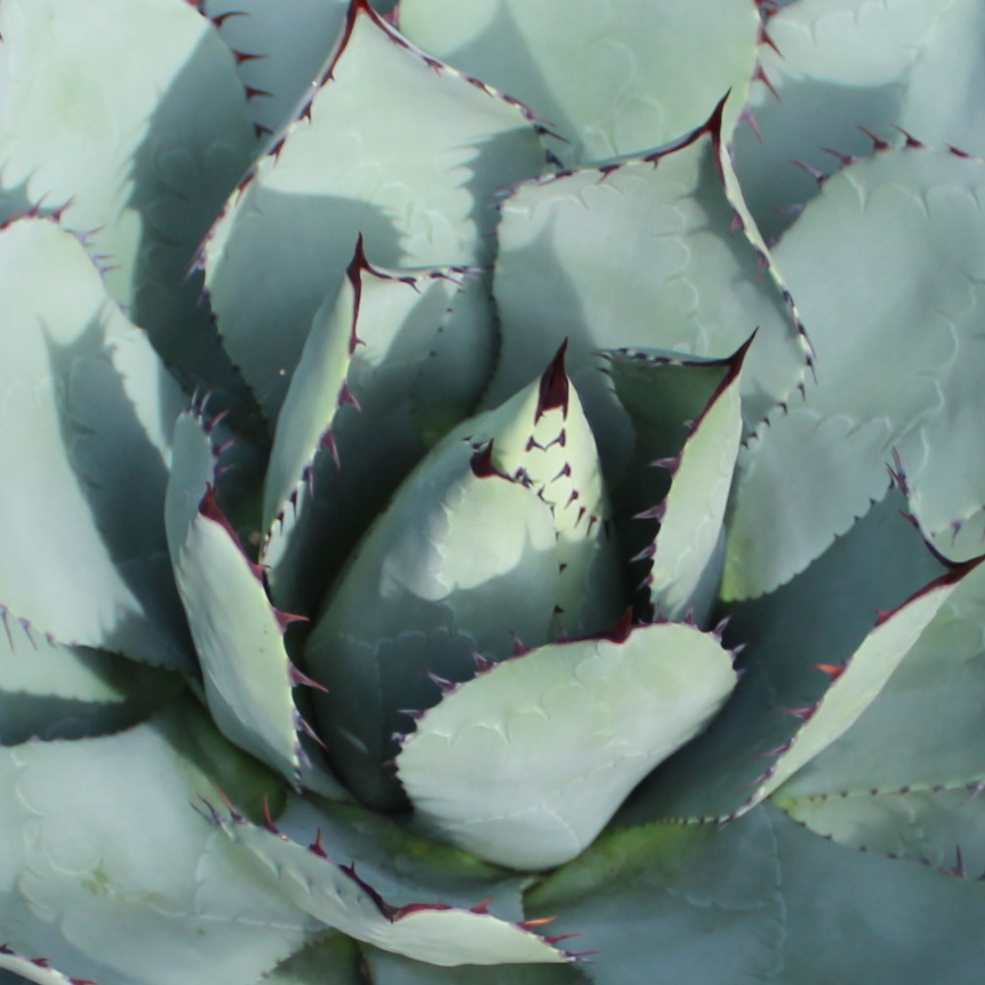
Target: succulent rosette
[474, 512]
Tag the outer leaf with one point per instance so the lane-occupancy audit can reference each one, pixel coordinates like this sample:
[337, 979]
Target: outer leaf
[136, 137]
[839, 903]
[915, 218]
[762, 900]
[392, 969]
[924, 799]
[674, 905]
[498, 535]
[79, 385]
[238, 634]
[642, 253]
[362, 157]
[612, 79]
[338, 896]
[65, 692]
[835, 66]
[825, 617]
[559, 735]
[685, 557]
[278, 51]
[347, 432]
[115, 876]
[35, 969]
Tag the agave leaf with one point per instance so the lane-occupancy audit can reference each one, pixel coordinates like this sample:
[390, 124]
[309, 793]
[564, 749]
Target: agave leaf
[814, 661]
[761, 900]
[685, 557]
[560, 735]
[914, 215]
[362, 157]
[498, 536]
[338, 895]
[36, 969]
[673, 904]
[346, 434]
[838, 902]
[333, 958]
[923, 801]
[237, 631]
[642, 253]
[136, 138]
[611, 79]
[66, 692]
[835, 66]
[385, 968]
[86, 559]
[278, 50]
[115, 876]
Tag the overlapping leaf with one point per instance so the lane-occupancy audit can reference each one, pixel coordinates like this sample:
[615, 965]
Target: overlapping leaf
[611, 78]
[391, 144]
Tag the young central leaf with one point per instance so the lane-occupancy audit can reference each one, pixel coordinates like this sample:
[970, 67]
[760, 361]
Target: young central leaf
[559, 736]
[499, 537]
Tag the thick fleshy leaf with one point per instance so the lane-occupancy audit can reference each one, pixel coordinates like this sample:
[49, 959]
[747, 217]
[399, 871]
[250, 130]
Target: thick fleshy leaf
[835, 66]
[67, 692]
[559, 736]
[313, 878]
[895, 243]
[611, 79]
[819, 627]
[391, 144]
[667, 904]
[279, 51]
[651, 252]
[347, 432]
[924, 800]
[238, 633]
[88, 411]
[852, 917]
[498, 536]
[761, 900]
[685, 556]
[108, 871]
[32, 969]
[386, 968]
[140, 133]
[334, 958]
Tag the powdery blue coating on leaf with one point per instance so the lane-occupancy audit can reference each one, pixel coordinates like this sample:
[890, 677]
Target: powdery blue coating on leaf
[347, 432]
[648, 252]
[907, 778]
[393, 145]
[140, 133]
[611, 77]
[336, 894]
[888, 266]
[841, 65]
[559, 735]
[67, 692]
[114, 875]
[821, 618]
[78, 382]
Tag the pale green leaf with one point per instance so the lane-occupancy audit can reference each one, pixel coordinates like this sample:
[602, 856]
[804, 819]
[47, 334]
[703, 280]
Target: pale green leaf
[611, 78]
[346, 435]
[109, 871]
[895, 243]
[140, 133]
[88, 412]
[391, 145]
[559, 735]
[642, 253]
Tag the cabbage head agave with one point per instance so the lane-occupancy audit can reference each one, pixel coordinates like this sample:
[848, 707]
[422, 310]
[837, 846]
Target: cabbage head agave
[447, 534]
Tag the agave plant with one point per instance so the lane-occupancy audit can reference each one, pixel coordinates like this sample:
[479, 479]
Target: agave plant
[448, 536]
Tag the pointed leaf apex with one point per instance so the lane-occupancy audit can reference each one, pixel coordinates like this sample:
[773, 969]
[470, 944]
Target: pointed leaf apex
[554, 386]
